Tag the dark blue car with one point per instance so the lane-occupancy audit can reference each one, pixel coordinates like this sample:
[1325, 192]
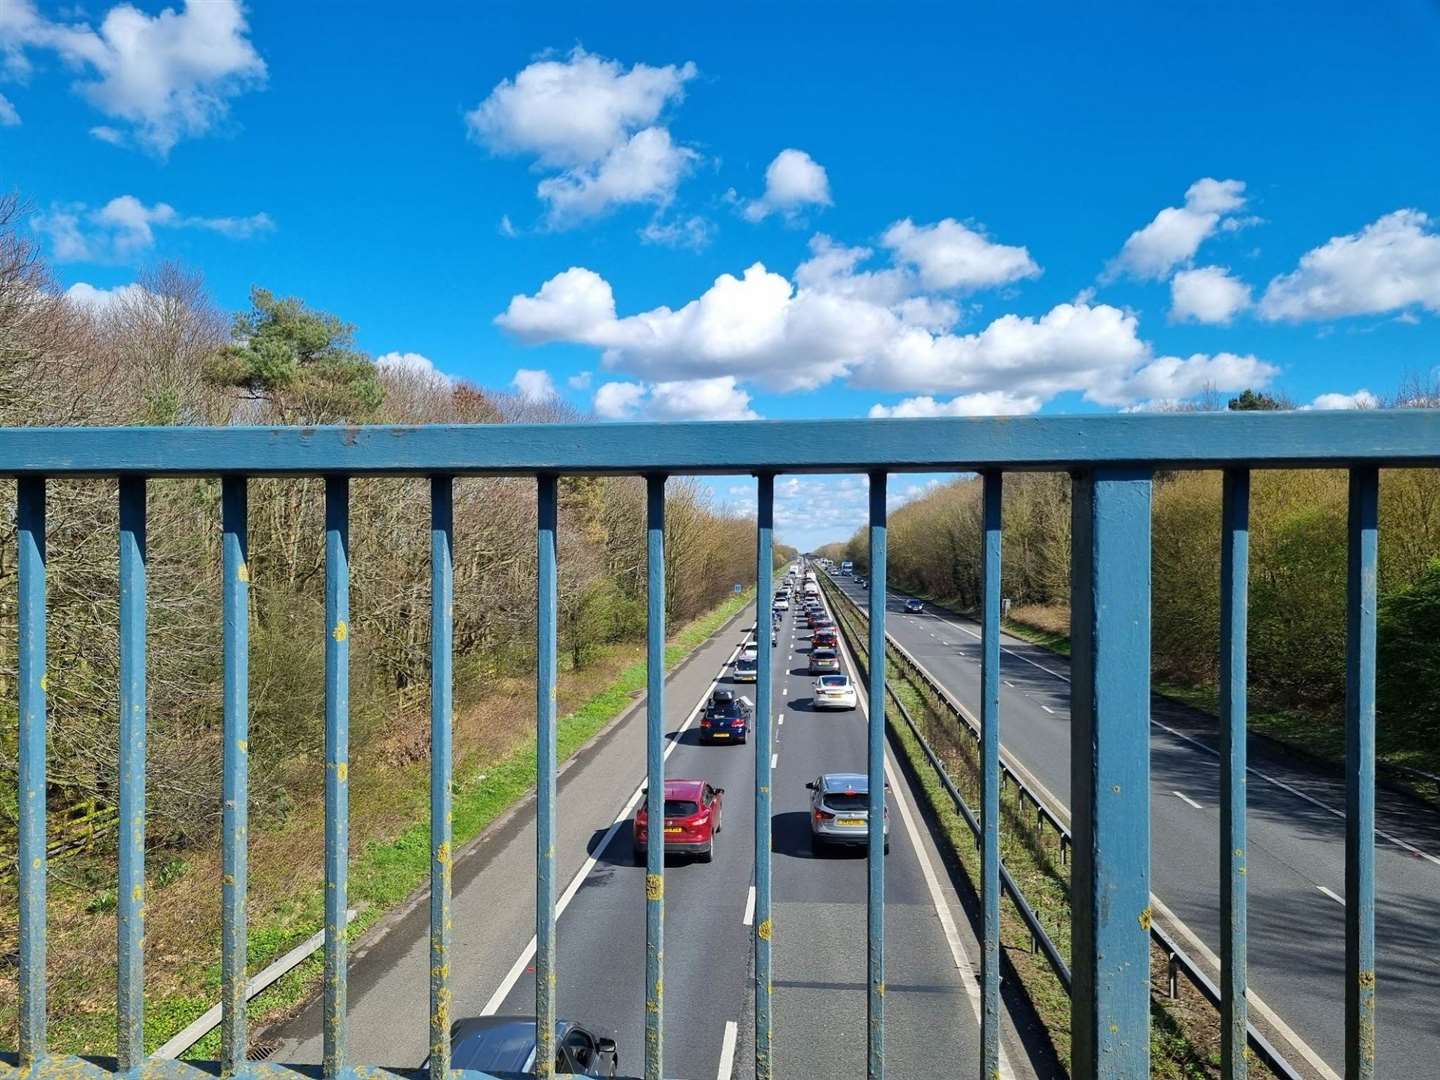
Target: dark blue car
[505, 1046]
[726, 719]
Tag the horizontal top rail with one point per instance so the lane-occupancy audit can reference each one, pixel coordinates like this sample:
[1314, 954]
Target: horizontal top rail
[1404, 437]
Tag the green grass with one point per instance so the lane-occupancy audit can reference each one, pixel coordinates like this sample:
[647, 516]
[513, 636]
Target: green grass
[1056, 643]
[1031, 854]
[383, 875]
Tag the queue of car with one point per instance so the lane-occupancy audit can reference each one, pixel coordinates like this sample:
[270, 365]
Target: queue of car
[693, 819]
[693, 808]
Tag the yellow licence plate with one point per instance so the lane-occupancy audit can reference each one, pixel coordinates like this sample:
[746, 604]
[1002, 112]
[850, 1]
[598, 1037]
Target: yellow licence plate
[669, 829]
[721, 735]
[847, 821]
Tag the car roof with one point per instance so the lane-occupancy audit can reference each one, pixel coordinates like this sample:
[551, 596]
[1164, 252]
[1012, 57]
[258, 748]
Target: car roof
[845, 781]
[496, 1043]
[675, 788]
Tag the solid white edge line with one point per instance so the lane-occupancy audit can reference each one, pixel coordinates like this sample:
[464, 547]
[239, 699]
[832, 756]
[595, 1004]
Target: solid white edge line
[749, 908]
[1048, 709]
[1269, 1015]
[774, 759]
[1332, 894]
[1187, 800]
[1406, 845]
[528, 953]
[727, 1051]
[932, 884]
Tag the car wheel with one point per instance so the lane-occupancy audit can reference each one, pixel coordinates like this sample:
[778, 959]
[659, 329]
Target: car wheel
[641, 856]
[709, 853]
[887, 847]
[818, 846]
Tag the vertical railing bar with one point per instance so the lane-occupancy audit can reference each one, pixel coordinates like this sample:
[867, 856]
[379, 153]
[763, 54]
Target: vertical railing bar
[1361, 604]
[235, 758]
[655, 776]
[337, 767]
[545, 663]
[875, 768]
[1234, 593]
[130, 907]
[1110, 772]
[30, 536]
[764, 921]
[442, 623]
[990, 780]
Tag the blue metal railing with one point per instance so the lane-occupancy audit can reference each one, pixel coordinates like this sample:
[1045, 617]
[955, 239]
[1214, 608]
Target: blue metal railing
[1112, 460]
[1179, 961]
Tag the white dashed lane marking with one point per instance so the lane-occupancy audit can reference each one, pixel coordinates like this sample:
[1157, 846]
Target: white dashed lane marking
[1187, 800]
[1333, 895]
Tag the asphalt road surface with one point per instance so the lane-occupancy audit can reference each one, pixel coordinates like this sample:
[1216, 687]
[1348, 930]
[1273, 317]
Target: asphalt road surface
[819, 913]
[1296, 864]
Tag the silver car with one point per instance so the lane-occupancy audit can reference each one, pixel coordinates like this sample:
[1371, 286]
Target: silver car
[840, 811]
[823, 661]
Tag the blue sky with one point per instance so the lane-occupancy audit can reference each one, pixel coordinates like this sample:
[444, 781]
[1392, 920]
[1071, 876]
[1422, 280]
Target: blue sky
[1030, 209]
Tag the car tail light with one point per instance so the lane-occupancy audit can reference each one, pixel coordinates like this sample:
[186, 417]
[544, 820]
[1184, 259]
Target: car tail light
[821, 815]
[704, 723]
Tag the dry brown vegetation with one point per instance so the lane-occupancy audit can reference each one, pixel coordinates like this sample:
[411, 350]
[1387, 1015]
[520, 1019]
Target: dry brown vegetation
[1297, 587]
[165, 354]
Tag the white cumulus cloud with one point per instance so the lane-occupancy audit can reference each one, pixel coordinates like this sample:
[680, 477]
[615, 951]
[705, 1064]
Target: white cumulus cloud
[793, 181]
[1171, 378]
[949, 255]
[677, 399]
[1176, 233]
[415, 366]
[9, 116]
[1207, 294]
[986, 403]
[1361, 399]
[125, 227]
[836, 320]
[167, 77]
[593, 125]
[1390, 264]
[100, 300]
[534, 384]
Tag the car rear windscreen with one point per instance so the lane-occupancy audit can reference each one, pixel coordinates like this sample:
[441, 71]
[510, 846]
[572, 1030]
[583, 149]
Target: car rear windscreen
[680, 807]
[833, 682]
[841, 801]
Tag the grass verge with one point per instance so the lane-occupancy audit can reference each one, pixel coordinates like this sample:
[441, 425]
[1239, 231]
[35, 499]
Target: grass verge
[390, 859]
[1184, 1030]
[383, 875]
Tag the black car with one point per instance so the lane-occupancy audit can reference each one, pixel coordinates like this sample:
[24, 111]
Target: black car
[505, 1045]
[727, 718]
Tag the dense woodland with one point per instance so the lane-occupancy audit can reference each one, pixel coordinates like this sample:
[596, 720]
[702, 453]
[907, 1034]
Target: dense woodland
[1297, 576]
[165, 354]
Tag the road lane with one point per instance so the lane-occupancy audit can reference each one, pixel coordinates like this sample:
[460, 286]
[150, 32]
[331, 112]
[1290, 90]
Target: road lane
[494, 894]
[1296, 845]
[819, 914]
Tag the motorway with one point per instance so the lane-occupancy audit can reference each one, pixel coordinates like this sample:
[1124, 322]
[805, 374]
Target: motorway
[819, 912]
[1296, 862]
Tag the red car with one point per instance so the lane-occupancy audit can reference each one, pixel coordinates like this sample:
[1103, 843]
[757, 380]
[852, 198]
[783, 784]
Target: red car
[692, 818]
[824, 639]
